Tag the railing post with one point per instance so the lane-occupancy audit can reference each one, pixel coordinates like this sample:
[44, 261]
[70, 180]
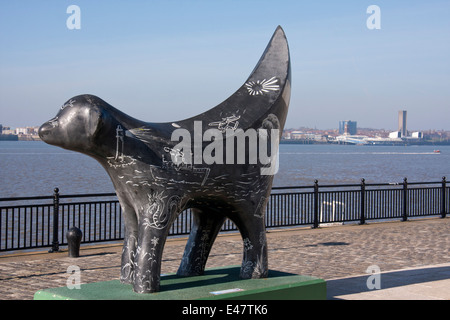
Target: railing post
[443, 201]
[405, 199]
[362, 219]
[55, 242]
[316, 204]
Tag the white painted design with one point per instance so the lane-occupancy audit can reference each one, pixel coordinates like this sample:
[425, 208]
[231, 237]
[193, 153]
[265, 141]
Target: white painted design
[176, 155]
[259, 211]
[259, 87]
[126, 161]
[53, 122]
[120, 160]
[176, 170]
[127, 273]
[246, 269]
[155, 214]
[227, 123]
[68, 104]
[119, 143]
[247, 244]
[184, 173]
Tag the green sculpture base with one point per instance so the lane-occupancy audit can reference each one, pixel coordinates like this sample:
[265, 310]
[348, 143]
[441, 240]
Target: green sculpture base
[215, 284]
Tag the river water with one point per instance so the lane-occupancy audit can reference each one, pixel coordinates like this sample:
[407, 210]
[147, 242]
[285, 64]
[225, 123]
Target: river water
[30, 168]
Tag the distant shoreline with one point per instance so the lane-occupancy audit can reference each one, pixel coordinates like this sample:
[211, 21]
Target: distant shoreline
[403, 143]
[22, 137]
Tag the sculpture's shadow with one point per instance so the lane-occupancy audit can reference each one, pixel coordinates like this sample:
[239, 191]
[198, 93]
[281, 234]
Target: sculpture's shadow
[214, 276]
[414, 284]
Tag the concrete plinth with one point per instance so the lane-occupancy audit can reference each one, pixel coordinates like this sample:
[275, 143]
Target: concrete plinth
[215, 284]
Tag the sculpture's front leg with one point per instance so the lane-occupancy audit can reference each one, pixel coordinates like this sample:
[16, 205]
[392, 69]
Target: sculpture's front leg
[148, 259]
[129, 244]
[159, 210]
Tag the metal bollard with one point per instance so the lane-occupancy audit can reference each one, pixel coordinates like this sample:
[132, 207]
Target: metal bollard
[74, 235]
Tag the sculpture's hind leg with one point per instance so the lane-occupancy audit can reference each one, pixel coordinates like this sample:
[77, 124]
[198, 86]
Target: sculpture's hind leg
[206, 226]
[252, 227]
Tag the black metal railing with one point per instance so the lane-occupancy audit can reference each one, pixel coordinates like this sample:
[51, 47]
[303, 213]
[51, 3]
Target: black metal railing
[37, 222]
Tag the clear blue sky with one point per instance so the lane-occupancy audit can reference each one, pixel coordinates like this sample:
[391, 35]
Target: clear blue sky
[168, 60]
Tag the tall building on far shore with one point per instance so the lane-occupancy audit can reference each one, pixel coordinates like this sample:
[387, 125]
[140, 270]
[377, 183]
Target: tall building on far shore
[347, 127]
[402, 123]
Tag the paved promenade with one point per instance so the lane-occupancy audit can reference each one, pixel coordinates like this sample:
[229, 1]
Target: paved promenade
[413, 258]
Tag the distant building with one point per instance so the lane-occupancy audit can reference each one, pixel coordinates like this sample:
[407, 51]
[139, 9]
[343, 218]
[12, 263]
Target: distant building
[27, 131]
[395, 134]
[402, 131]
[306, 136]
[21, 131]
[402, 123]
[296, 134]
[7, 134]
[347, 127]
[8, 130]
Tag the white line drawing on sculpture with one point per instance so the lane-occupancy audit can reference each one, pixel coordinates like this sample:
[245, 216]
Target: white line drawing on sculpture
[259, 212]
[54, 122]
[184, 173]
[176, 155]
[119, 143]
[155, 217]
[120, 160]
[230, 122]
[260, 87]
[68, 104]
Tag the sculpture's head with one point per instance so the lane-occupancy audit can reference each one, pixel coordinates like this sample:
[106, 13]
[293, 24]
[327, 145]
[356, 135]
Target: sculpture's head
[75, 126]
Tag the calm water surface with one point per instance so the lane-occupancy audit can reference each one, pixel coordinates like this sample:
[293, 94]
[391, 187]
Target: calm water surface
[335, 164]
[29, 168]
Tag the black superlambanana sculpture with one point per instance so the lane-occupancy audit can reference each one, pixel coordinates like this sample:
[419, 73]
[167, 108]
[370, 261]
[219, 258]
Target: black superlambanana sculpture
[220, 168]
